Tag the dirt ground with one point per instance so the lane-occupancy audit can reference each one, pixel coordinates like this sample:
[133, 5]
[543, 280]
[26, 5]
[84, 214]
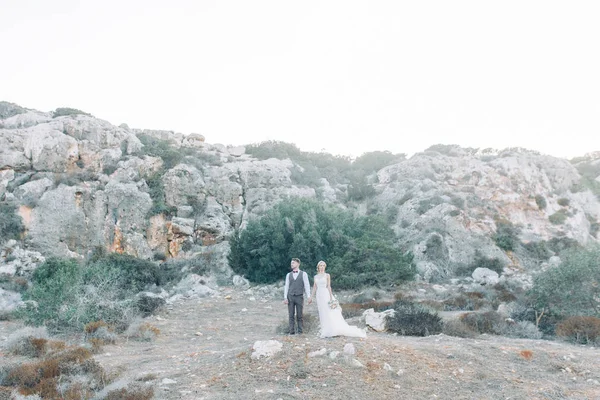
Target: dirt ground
[203, 352]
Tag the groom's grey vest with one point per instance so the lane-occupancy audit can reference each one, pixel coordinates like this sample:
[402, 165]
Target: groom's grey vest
[296, 287]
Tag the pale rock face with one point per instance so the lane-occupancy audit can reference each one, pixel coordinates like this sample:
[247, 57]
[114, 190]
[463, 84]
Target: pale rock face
[240, 282]
[25, 120]
[33, 189]
[485, 276]
[49, 149]
[9, 301]
[183, 185]
[193, 140]
[194, 286]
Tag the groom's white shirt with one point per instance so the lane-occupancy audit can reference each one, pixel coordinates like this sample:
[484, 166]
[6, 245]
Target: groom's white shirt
[287, 284]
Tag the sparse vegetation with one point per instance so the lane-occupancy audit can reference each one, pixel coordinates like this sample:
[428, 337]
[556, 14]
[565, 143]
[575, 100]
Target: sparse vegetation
[559, 217]
[413, 320]
[507, 235]
[11, 224]
[541, 202]
[64, 111]
[563, 202]
[68, 295]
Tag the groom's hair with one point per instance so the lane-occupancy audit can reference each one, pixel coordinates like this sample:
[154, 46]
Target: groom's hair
[297, 260]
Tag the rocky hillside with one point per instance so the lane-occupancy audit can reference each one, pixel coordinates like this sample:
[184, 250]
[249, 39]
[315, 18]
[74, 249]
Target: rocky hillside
[79, 183]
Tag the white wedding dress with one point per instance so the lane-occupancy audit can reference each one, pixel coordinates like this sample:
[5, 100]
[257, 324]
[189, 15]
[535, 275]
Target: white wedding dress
[332, 321]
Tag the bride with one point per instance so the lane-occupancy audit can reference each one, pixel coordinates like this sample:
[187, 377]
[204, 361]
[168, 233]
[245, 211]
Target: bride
[332, 321]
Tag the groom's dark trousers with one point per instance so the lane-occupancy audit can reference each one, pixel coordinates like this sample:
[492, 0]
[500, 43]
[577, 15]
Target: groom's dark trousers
[295, 299]
[295, 305]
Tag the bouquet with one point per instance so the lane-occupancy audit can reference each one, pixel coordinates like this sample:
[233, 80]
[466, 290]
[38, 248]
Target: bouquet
[333, 304]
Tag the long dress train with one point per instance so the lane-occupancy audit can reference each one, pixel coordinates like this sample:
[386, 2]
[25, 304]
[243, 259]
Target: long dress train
[332, 321]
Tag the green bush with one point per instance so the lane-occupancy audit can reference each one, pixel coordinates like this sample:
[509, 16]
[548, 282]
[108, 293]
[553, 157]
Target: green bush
[564, 202]
[11, 224]
[561, 243]
[559, 217]
[8, 110]
[68, 295]
[506, 236]
[413, 320]
[541, 202]
[480, 261]
[63, 111]
[136, 274]
[538, 250]
[359, 251]
[156, 190]
[163, 149]
[571, 288]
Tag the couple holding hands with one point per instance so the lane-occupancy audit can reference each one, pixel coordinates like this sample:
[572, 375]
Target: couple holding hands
[330, 313]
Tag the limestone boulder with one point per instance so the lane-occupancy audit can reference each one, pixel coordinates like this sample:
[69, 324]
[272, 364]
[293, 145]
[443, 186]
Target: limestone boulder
[265, 348]
[50, 149]
[377, 320]
[485, 276]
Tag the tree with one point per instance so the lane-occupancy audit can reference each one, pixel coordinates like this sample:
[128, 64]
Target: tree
[571, 288]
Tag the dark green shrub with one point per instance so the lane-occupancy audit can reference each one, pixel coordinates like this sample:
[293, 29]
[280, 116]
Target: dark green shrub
[163, 149]
[11, 224]
[563, 201]
[359, 189]
[136, 274]
[307, 175]
[562, 243]
[541, 202]
[63, 111]
[559, 217]
[413, 320]
[149, 304]
[376, 160]
[570, 288]
[538, 250]
[54, 283]
[359, 251]
[427, 204]
[156, 190]
[435, 248]
[506, 236]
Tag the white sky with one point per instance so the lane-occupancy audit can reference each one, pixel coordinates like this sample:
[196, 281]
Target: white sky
[344, 76]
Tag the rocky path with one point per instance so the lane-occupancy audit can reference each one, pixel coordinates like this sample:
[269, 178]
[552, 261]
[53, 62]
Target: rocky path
[204, 351]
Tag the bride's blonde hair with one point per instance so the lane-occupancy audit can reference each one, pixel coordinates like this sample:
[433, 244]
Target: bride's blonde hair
[321, 262]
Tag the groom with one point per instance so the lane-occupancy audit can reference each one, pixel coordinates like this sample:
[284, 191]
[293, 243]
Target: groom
[296, 284]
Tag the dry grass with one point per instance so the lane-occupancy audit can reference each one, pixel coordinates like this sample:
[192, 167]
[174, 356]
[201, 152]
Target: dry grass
[580, 330]
[142, 331]
[59, 362]
[132, 392]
